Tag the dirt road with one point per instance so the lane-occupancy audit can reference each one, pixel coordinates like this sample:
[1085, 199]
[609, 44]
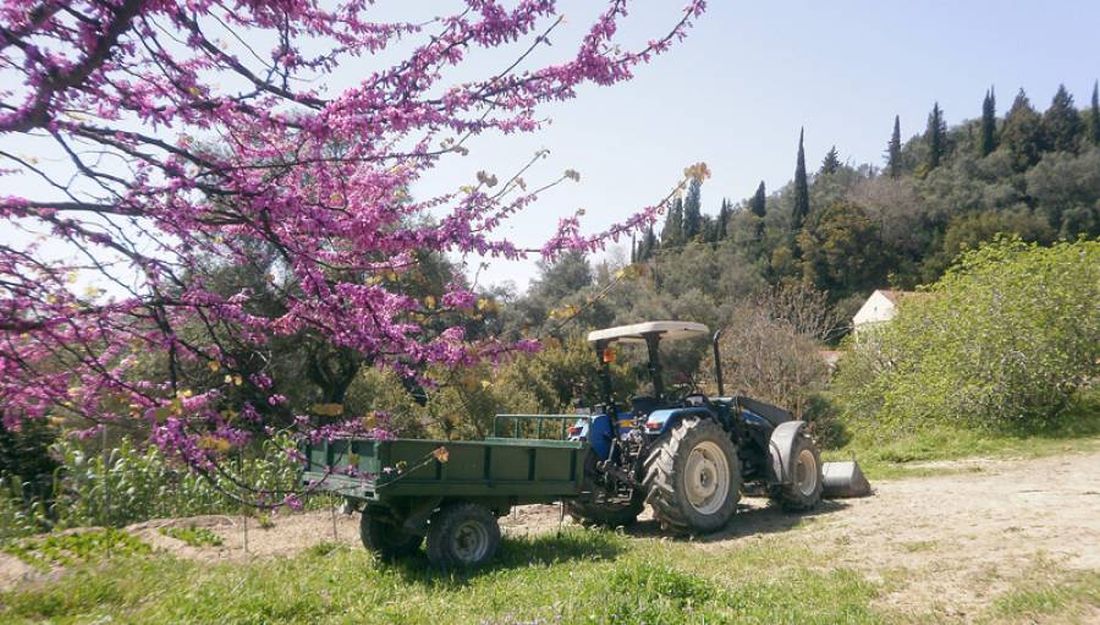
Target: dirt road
[947, 544]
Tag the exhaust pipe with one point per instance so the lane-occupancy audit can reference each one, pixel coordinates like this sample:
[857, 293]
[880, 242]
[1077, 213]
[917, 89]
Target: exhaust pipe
[718, 364]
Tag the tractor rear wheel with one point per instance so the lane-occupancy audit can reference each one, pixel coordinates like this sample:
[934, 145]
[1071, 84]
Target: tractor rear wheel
[804, 491]
[693, 477]
[386, 540]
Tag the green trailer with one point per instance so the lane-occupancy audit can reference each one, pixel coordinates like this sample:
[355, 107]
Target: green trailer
[449, 492]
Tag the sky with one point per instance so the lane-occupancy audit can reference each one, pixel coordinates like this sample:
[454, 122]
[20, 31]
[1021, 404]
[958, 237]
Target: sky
[735, 93]
[751, 74]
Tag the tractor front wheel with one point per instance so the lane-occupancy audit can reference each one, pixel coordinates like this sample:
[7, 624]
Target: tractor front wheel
[693, 477]
[386, 540]
[806, 480]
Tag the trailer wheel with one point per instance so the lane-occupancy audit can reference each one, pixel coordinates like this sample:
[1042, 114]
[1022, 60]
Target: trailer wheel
[386, 540]
[693, 477]
[807, 481]
[462, 535]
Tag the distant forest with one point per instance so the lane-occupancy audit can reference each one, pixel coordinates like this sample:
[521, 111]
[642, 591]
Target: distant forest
[840, 228]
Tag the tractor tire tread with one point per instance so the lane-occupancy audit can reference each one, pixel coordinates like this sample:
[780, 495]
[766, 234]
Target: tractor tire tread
[788, 496]
[660, 477]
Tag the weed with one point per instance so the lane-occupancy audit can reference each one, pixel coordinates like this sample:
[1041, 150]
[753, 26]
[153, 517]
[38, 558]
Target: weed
[71, 548]
[193, 536]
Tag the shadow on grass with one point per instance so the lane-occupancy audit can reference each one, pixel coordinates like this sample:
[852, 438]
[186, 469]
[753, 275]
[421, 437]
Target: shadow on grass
[569, 545]
[749, 521]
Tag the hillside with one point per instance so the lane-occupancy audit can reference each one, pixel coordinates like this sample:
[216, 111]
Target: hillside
[846, 229]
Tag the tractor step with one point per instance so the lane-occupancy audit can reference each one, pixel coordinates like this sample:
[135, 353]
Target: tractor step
[844, 479]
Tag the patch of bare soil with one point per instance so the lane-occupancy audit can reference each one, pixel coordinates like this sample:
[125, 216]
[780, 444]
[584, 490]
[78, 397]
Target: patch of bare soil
[14, 571]
[951, 544]
[245, 538]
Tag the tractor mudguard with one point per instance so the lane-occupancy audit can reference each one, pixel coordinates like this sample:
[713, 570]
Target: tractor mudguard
[781, 449]
[659, 421]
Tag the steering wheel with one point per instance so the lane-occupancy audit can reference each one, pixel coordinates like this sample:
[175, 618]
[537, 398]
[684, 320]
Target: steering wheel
[695, 398]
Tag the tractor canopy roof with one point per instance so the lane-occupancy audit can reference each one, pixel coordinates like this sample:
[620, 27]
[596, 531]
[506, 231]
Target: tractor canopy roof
[636, 333]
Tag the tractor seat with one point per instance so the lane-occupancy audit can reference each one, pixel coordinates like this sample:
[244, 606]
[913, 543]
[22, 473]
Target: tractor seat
[644, 404]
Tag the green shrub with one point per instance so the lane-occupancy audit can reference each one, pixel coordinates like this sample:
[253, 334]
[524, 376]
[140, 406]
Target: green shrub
[1002, 341]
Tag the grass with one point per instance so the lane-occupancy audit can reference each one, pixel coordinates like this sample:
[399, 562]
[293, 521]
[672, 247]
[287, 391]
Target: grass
[193, 536]
[1065, 598]
[906, 455]
[578, 576]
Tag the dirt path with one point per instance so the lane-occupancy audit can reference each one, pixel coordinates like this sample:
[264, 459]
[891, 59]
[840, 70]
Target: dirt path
[947, 544]
[950, 544]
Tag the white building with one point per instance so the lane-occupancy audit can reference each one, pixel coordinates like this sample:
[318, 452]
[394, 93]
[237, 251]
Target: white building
[880, 307]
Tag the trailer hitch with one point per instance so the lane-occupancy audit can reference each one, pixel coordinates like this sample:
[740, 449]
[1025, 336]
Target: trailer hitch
[617, 472]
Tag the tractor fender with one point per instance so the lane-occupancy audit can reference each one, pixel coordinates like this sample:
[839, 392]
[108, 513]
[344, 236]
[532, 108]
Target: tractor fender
[781, 449]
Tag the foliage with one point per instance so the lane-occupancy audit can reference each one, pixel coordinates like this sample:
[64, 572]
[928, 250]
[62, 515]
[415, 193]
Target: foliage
[127, 484]
[1094, 114]
[693, 216]
[936, 137]
[770, 351]
[989, 124]
[893, 150]
[1062, 123]
[18, 516]
[837, 253]
[831, 163]
[548, 382]
[1002, 341]
[24, 460]
[908, 454]
[801, 202]
[1023, 135]
[83, 546]
[193, 536]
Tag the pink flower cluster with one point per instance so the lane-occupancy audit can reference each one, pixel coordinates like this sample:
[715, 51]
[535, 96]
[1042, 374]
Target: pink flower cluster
[181, 144]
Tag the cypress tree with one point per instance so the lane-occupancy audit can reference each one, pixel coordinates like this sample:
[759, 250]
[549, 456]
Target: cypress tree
[723, 220]
[1022, 134]
[801, 187]
[1094, 119]
[693, 210]
[673, 232]
[759, 202]
[647, 246]
[893, 150]
[936, 137]
[989, 123]
[1062, 123]
[831, 163]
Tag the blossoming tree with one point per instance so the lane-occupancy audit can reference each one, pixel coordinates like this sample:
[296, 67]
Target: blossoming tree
[187, 133]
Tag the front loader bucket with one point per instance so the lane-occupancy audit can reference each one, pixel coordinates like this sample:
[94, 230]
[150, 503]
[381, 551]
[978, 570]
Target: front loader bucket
[844, 479]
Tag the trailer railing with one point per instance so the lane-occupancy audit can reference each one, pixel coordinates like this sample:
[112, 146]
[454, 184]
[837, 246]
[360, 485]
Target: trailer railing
[535, 426]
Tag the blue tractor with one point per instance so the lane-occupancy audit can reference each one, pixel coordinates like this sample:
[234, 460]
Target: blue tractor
[688, 455]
